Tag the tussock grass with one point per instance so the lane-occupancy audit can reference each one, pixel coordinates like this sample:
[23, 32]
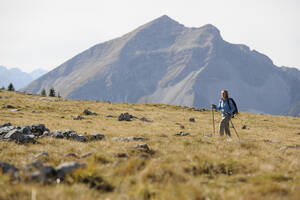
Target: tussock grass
[175, 167]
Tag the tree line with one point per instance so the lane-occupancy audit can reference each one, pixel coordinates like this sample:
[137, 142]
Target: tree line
[51, 93]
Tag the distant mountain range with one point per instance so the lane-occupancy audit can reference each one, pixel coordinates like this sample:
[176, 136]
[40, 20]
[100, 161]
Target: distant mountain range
[18, 78]
[165, 62]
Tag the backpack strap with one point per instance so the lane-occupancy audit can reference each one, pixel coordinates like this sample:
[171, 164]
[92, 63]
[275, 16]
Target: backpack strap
[228, 103]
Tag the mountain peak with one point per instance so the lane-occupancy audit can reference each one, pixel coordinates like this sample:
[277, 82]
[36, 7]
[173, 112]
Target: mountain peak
[211, 29]
[164, 20]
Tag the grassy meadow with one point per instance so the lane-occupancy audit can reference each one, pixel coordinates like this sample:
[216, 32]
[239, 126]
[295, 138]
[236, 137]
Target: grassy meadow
[265, 164]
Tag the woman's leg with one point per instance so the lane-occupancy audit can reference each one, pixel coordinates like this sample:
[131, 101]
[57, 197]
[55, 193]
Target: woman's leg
[222, 126]
[227, 130]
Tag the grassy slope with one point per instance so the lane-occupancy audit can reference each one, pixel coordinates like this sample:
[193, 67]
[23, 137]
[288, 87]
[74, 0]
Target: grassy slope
[188, 167]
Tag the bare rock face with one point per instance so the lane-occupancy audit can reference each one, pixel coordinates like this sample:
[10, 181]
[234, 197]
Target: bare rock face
[166, 62]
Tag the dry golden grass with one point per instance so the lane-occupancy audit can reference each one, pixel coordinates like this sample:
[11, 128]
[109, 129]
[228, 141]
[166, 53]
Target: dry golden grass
[187, 167]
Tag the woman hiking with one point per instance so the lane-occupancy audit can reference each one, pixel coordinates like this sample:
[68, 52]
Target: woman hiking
[227, 109]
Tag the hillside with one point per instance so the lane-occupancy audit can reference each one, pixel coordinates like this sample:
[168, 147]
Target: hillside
[165, 62]
[263, 165]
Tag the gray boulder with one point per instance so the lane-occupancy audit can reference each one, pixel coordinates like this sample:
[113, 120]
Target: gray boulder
[127, 139]
[144, 119]
[67, 168]
[44, 153]
[57, 134]
[71, 155]
[181, 133]
[143, 147]
[192, 119]
[87, 155]
[4, 125]
[125, 117]
[35, 165]
[38, 129]
[78, 118]
[95, 137]
[26, 130]
[46, 174]
[8, 168]
[4, 130]
[87, 112]
[18, 137]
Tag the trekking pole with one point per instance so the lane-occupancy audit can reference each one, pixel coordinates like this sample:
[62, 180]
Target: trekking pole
[234, 129]
[213, 117]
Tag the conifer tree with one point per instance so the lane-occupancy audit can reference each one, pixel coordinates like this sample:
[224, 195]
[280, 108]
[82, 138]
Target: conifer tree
[10, 87]
[43, 93]
[52, 92]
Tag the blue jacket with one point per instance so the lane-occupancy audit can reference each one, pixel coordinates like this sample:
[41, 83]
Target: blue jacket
[224, 107]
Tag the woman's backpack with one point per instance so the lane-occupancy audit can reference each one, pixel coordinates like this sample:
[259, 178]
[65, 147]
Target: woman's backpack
[235, 111]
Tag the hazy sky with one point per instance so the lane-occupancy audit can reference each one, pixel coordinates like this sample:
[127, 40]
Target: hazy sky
[45, 33]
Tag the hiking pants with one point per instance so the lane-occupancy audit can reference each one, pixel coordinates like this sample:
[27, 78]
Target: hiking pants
[224, 125]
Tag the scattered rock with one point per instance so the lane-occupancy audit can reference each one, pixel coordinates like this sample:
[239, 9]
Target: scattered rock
[17, 136]
[127, 139]
[10, 107]
[192, 119]
[92, 137]
[271, 141]
[79, 138]
[144, 119]
[67, 168]
[87, 155]
[297, 146]
[181, 133]
[87, 112]
[208, 135]
[26, 130]
[199, 109]
[244, 127]
[108, 116]
[62, 117]
[96, 182]
[71, 155]
[33, 111]
[38, 129]
[4, 130]
[46, 174]
[5, 125]
[122, 155]
[125, 117]
[46, 133]
[44, 153]
[57, 134]
[35, 165]
[78, 118]
[143, 146]
[8, 168]
[144, 155]
[181, 126]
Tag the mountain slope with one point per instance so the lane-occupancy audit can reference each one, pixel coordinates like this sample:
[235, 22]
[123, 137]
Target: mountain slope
[163, 61]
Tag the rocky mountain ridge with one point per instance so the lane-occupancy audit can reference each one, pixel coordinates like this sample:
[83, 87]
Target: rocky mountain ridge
[165, 62]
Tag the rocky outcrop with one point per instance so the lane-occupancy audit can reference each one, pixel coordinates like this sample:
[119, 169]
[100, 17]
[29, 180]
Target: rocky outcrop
[29, 134]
